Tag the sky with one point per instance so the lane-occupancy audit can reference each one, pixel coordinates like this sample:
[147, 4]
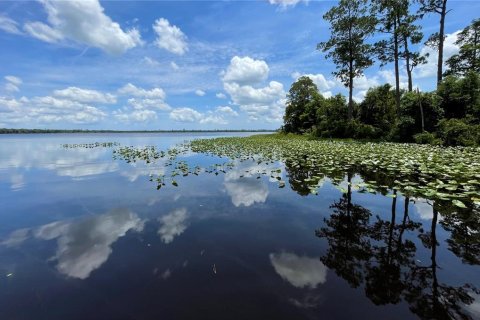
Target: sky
[162, 65]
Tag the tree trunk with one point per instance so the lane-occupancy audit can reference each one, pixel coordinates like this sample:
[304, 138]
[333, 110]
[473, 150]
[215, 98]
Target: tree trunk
[350, 93]
[441, 41]
[397, 71]
[407, 61]
[421, 110]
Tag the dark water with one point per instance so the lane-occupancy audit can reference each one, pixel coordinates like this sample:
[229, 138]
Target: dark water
[85, 236]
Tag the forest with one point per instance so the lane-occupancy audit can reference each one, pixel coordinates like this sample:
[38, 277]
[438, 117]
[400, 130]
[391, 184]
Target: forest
[448, 115]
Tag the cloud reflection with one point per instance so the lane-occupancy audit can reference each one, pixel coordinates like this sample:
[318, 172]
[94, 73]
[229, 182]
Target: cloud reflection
[299, 271]
[82, 245]
[173, 224]
[242, 185]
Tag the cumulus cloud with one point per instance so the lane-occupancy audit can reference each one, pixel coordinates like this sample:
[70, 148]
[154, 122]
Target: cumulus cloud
[185, 115]
[83, 245]
[323, 84]
[227, 111]
[241, 81]
[173, 224]
[200, 93]
[49, 109]
[157, 104]
[212, 119]
[299, 271]
[143, 107]
[85, 95]
[284, 4]
[9, 25]
[170, 37]
[430, 68]
[135, 116]
[130, 89]
[174, 65]
[85, 22]
[245, 70]
[221, 95]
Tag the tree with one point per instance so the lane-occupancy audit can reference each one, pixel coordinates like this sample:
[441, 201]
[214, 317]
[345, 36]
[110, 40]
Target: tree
[350, 25]
[302, 104]
[388, 14]
[436, 40]
[378, 108]
[460, 97]
[468, 58]
[410, 33]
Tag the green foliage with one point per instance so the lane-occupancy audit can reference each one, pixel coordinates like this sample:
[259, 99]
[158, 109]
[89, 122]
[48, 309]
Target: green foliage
[410, 121]
[468, 58]
[456, 132]
[302, 104]
[426, 138]
[460, 97]
[332, 118]
[378, 108]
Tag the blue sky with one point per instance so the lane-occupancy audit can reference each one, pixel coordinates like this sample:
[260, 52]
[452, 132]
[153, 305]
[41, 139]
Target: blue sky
[174, 64]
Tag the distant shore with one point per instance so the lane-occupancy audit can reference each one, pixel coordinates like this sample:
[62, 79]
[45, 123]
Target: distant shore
[29, 131]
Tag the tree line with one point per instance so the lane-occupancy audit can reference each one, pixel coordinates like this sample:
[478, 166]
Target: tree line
[448, 115]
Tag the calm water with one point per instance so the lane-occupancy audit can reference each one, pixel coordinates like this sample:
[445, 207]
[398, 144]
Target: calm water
[87, 236]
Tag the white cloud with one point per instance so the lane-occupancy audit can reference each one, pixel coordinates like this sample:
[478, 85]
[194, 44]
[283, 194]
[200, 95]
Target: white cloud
[173, 224]
[430, 68]
[83, 21]
[157, 104]
[12, 84]
[130, 89]
[85, 95]
[185, 115]
[246, 71]
[135, 116]
[43, 32]
[266, 103]
[9, 25]
[211, 119]
[10, 87]
[322, 83]
[364, 83]
[199, 92]
[283, 4]
[14, 80]
[227, 111]
[151, 62]
[248, 95]
[170, 37]
[174, 65]
[299, 271]
[48, 109]
[221, 95]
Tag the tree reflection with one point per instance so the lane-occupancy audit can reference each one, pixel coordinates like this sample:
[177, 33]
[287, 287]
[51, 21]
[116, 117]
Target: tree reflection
[376, 254]
[346, 232]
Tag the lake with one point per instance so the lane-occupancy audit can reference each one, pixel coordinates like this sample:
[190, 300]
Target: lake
[87, 232]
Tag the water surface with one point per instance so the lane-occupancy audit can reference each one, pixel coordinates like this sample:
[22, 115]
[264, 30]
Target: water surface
[85, 235]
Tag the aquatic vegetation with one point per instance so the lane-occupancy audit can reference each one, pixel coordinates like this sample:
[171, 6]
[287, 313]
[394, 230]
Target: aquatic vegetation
[450, 174]
[433, 172]
[90, 145]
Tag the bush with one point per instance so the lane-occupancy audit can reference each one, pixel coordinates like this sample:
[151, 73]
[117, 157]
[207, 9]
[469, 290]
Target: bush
[426, 138]
[455, 132]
